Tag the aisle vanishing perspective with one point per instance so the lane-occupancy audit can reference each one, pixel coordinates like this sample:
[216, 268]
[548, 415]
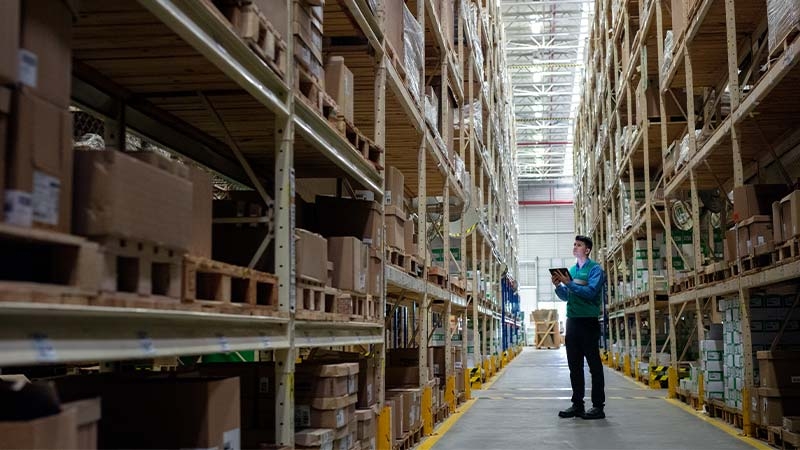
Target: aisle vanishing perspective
[519, 411]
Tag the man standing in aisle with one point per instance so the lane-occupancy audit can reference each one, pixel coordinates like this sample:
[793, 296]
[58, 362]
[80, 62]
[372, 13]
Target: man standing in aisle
[582, 289]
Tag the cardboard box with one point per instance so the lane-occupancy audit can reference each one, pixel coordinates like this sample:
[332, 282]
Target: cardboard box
[366, 424]
[339, 380]
[755, 199]
[411, 398]
[202, 212]
[367, 374]
[759, 232]
[395, 187]
[410, 244]
[791, 424]
[375, 274]
[438, 361]
[308, 416]
[314, 437]
[790, 216]
[402, 376]
[394, 27]
[349, 217]
[46, 63]
[9, 41]
[39, 185]
[349, 256]
[200, 413]
[395, 404]
[339, 84]
[779, 369]
[730, 245]
[117, 195]
[395, 228]
[678, 17]
[312, 255]
[88, 418]
[59, 431]
[777, 223]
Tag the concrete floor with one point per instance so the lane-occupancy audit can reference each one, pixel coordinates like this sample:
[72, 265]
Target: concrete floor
[520, 411]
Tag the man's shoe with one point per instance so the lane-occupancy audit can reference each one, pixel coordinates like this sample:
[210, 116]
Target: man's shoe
[594, 414]
[572, 411]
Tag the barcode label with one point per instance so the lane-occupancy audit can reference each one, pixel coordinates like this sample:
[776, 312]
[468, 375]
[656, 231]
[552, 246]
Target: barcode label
[302, 415]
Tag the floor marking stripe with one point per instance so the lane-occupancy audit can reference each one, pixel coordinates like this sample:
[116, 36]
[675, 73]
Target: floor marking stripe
[755, 443]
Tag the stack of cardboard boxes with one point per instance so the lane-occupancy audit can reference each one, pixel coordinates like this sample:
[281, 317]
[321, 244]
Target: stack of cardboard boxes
[753, 234]
[786, 218]
[325, 398]
[406, 410]
[35, 122]
[779, 378]
[711, 363]
[307, 31]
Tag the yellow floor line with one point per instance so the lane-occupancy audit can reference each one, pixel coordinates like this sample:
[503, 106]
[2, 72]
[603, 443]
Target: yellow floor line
[755, 443]
[431, 440]
[440, 431]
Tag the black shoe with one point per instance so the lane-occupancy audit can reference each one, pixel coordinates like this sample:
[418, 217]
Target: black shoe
[594, 414]
[572, 411]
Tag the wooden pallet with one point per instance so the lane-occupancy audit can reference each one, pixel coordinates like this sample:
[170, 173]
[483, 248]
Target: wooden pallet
[782, 438]
[314, 300]
[360, 142]
[252, 26]
[47, 266]
[441, 414]
[438, 276]
[309, 89]
[787, 251]
[409, 440]
[365, 308]
[415, 267]
[396, 257]
[721, 273]
[755, 262]
[226, 288]
[139, 267]
[457, 287]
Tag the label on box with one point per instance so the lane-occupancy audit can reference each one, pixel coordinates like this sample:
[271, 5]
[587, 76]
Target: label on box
[369, 393]
[18, 208]
[362, 281]
[365, 195]
[28, 67]
[302, 415]
[46, 192]
[352, 384]
[387, 198]
[340, 418]
[231, 440]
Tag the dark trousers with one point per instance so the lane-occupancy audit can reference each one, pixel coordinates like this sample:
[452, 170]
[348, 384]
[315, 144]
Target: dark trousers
[582, 340]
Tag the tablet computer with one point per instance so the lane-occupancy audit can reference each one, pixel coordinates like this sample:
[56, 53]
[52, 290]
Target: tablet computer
[564, 270]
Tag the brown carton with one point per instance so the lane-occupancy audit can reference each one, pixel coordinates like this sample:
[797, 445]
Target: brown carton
[678, 18]
[339, 84]
[39, 184]
[202, 215]
[367, 368]
[47, 53]
[395, 228]
[9, 41]
[349, 217]
[755, 199]
[790, 216]
[366, 425]
[88, 418]
[777, 223]
[306, 415]
[395, 402]
[779, 370]
[402, 376]
[395, 182]
[375, 272]
[410, 244]
[59, 431]
[411, 398]
[200, 413]
[312, 255]
[117, 195]
[394, 27]
[349, 256]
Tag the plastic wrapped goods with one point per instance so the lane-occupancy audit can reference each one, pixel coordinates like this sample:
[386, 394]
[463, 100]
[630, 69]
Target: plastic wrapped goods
[413, 53]
[782, 17]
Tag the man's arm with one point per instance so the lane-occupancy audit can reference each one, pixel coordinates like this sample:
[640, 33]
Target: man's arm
[561, 292]
[592, 289]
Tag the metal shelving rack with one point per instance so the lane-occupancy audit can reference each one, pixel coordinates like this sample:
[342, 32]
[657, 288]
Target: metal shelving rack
[721, 50]
[145, 99]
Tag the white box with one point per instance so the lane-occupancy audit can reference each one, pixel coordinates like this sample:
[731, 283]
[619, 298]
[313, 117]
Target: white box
[714, 386]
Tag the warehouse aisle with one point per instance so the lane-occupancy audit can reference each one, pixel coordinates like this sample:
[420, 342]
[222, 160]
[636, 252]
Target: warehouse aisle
[519, 411]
